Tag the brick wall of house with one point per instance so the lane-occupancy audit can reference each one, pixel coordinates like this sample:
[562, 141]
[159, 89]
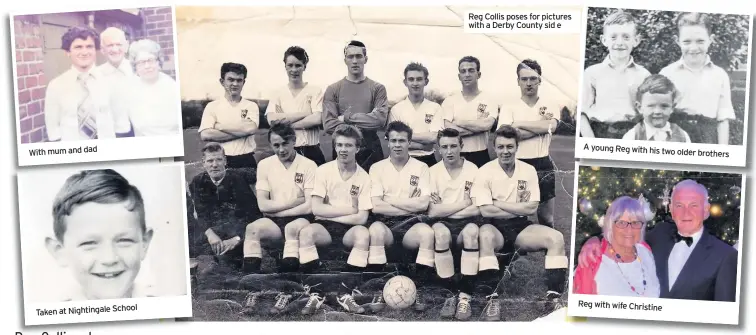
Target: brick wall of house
[158, 23]
[30, 77]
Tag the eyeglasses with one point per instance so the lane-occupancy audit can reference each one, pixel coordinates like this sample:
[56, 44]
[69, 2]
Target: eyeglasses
[625, 224]
[142, 63]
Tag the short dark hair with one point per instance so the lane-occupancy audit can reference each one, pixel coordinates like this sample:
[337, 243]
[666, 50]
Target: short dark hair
[99, 186]
[233, 67]
[656, 84]
[470, 59]
[212, 147]
[415, 66]
[529, 64]
[284, 130]
[354, 43]
[694, 19]
[298, 53]
[507, 131]
[82, 33]
[448, 132]
[348, 130]
[399, 127]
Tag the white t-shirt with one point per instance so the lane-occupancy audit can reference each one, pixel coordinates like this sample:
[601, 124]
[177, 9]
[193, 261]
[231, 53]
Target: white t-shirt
[428, 117]
[537, 146]
[338, 192]
[492, 183]
[282, 183]
[388, 181]
[222, 111]
[482, 106]
[452, 190]
[308, 100]
[610, 279]
[153, 107]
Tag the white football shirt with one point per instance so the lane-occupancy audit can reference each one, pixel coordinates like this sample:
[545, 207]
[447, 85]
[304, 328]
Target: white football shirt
[428, 117]
[282, 183]
[388, 181]
[539, 145]
[308, 100]
[450, 189]
[492, 183]
[222, 111]
[483, 106]
[339, 192]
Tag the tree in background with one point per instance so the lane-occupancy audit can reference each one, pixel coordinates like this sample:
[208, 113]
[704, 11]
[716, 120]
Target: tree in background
[658, 48]
[599, 186]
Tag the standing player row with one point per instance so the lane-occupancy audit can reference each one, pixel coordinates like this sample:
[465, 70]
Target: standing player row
[451, 207]
[358, 100]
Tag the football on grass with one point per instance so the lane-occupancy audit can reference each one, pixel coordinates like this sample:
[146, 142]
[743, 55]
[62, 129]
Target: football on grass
[399, 292]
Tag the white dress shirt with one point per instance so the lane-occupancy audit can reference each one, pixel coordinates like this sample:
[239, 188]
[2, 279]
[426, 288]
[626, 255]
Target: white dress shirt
[679, 255]
[62, 98]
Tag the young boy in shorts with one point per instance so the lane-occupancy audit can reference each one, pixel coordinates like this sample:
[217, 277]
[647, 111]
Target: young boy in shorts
[705, 105]
[607, 107]
[656, 101]
[100, 235]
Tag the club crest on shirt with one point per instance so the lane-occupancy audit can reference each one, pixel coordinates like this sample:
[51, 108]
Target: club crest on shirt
[355, 190]
[522, 185]
[428, 118]
[244, 113]
[308, 98]
[298, 178]
[468, 186]
[545, 113]
[482, 113]
[413, 180]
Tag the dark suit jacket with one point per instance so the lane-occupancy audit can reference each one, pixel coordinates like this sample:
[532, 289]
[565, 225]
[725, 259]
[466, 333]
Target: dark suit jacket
[710, 272]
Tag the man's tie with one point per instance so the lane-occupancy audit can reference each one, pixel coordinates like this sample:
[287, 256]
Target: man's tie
[87, 121]
[688, 240]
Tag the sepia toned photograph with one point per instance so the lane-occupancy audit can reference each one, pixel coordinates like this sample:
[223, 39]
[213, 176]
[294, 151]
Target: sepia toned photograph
[338, 172]
[96, 79]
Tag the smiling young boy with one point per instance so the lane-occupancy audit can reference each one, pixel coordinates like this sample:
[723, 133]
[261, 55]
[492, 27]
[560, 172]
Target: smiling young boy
[609, 87]
[656, 101]
[705, 97]
[100, 234]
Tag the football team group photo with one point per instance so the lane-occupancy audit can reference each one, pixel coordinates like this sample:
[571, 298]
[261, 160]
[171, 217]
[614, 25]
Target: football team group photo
[332, 193]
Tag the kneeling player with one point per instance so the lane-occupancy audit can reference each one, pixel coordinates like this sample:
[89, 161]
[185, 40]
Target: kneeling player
[400, 192]
[506, 190]
[284, 185]
[340, 202]
[457, 220]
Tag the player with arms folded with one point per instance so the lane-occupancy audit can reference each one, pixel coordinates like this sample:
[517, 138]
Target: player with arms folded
[340, 203]
[284, 186]
[400, 193]
[506, 191]
[457, 220]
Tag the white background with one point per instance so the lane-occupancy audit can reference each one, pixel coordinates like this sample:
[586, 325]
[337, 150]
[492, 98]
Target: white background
[161, 185]
[10, 282]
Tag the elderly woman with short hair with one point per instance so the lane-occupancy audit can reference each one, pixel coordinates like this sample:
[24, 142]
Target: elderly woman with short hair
[627, 266]
[154, 99]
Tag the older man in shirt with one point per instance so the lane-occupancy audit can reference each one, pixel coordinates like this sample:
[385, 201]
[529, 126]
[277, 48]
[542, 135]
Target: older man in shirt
[77, 105]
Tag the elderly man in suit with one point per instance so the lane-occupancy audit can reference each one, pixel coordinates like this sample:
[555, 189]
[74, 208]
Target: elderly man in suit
[690, 262]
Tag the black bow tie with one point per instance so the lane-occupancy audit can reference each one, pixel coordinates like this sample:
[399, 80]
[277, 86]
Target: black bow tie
[688, 240]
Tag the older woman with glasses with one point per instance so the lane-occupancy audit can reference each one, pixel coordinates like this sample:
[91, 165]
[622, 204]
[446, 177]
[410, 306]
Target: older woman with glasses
[153, 99]
[627, 266]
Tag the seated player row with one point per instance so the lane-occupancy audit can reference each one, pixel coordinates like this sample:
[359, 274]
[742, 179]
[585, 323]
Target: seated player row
[453, 206]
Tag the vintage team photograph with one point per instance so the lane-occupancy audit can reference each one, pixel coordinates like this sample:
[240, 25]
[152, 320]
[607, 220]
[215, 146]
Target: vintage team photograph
[659, 234]
[664, 76]
[359, 164]
[110, 235]
[103, 79]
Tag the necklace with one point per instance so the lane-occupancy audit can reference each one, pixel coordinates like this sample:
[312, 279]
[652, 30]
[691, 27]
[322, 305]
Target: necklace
[618, 257]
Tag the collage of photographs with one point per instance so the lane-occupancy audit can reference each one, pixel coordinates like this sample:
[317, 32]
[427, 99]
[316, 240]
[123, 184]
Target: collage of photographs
[293, 163]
